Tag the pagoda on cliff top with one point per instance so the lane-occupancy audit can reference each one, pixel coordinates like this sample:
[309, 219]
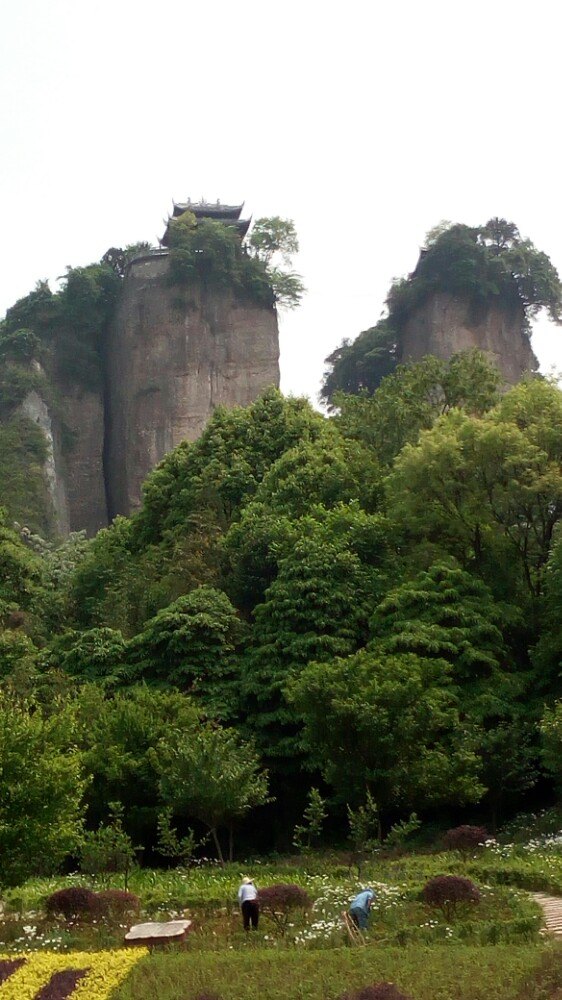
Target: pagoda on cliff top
[228, 214]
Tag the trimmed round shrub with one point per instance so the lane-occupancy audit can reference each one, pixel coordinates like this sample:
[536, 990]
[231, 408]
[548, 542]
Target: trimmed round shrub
[117, 902]
[72, 903]
[278, 902]
[448, 892]
[378, 991]
[465, 838]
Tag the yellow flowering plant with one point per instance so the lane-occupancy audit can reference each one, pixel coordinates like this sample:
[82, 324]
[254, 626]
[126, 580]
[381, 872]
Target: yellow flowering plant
[105, 971]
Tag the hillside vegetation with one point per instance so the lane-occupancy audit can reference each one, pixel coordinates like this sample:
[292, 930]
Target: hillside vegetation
[363, 609]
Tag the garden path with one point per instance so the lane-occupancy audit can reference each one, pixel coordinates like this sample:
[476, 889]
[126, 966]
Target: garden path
[552, 909]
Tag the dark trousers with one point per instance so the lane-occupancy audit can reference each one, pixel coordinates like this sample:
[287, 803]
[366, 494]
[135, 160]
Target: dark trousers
[359, 917]
[250, 914]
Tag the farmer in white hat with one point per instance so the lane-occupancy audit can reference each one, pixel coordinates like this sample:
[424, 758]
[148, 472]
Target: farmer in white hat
[248, 901]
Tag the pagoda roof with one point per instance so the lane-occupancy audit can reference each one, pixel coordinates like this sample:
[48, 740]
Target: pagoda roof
[228, 214]
[208, 209]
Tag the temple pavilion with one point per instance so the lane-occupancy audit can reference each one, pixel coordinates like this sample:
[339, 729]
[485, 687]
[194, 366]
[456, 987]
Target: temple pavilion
[229, 214]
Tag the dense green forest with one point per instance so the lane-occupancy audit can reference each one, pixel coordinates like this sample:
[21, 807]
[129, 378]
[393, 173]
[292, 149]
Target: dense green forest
[349, 619]
[368, 604]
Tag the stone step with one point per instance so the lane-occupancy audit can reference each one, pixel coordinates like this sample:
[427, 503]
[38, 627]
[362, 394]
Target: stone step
[552, 910]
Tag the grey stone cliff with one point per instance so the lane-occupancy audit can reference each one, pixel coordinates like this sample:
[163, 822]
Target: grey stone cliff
[444, 325]
[173, 356]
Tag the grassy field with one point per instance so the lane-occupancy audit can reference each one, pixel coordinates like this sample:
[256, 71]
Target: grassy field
[448, 973]
[489, 950]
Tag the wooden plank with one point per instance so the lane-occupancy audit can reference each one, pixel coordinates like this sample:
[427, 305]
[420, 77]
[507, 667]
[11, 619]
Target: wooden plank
[356, 936]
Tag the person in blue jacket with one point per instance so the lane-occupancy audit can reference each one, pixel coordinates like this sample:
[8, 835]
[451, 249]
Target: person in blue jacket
[360, 908]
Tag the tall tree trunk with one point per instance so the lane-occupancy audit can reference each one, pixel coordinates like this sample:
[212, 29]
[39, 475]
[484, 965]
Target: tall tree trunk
[217, 844]
[231, 843]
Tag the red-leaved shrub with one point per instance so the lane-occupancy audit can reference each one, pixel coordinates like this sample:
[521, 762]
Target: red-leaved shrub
[117, 902]
[278, 902]
[465, 838]
[448, 892]
[72, 903]
[378, 991]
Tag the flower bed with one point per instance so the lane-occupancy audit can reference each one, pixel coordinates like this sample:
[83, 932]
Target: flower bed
[80, 976]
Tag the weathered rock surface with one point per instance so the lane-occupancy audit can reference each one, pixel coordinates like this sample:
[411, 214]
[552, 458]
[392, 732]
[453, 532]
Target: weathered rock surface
[444, 325]
[82, 463]
[73, 468]
[35, 409]
[174, 355]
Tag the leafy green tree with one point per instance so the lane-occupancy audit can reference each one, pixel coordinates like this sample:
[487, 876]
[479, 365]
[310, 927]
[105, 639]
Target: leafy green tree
[72, 323]
[59, 561]
[275, 239]
[41, 788]
[310, 829]
[489, 490]
[413, 397]
[274, 236]
[360, 365]
[210, 252]
[21, 572]
[329, 474]
[182, 849]
[92, 655]
[288, 287]
[220, 472]
[19, 345]
[551, 742]
[546, 655]
[365, 832]
[389, 724]
[212, 776]
[482, 264]
[328, 471]
[190, 645]
[108, 851]
[317, 607]
[16, 650]
[118, 259]
[93, 585]
[445, 613]
[117, 735]
[22, 455]
[399, 832]
[38, 311]
[252, 549]
[509, 752]
[140, 565]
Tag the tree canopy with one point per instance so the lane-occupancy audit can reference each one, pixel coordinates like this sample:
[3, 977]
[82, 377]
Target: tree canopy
[366, 604]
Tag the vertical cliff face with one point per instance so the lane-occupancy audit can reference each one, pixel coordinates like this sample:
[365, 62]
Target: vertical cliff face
[70, 418]
[55, 501]
[174, 354]
[445, 325]
[79, 445]
[81, 470]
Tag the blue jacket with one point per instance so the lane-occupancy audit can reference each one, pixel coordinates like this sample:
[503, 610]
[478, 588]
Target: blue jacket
[363, 900]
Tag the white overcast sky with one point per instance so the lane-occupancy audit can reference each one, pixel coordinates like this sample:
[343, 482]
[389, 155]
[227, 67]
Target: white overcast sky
[366, 123]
